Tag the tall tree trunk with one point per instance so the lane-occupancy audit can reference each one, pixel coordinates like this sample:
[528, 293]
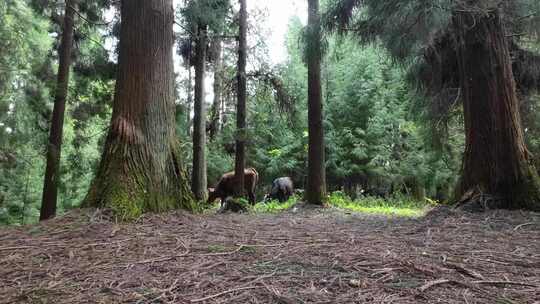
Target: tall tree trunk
[496, 160]
[223, 114]
[240, 157]
[218, 76]
[139, 169]
[54, 148]
[198, 176]
[189, 99]
[316, 184]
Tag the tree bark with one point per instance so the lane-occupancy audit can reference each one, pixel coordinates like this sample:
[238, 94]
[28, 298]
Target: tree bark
[225, 100]
[189, 99]
[496, 161]
[139, 169]
[198, 176]
[218, 76]
[54, 148]
[316, 184]
[240, 157]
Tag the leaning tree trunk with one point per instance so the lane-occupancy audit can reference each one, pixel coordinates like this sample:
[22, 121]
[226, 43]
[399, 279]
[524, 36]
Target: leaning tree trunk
[240, 157]
[218, 76]
[139, 169]
[496, 160]
[198, 175]
[52, 172]
[316, 185]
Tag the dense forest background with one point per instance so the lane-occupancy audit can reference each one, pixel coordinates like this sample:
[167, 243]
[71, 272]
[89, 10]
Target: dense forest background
[384, 136]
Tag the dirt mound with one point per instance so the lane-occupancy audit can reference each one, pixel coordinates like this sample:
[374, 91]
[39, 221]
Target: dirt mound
[306, 257]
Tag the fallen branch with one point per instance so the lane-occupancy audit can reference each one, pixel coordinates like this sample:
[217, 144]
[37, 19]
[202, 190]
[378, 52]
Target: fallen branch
[17, 247]
[522, 225]
[428, 285]
[461, 269]
[65, 245]
[495, 283]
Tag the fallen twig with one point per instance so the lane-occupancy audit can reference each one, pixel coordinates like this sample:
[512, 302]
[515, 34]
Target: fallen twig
[461, 269]
[523, 225]
[428, 285]
[16, 247]
[505, 283]
[468, 284]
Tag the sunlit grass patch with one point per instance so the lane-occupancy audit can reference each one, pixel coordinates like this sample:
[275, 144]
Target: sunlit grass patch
[275, 206]
[383, 210]
[394, 206]
[398, 205]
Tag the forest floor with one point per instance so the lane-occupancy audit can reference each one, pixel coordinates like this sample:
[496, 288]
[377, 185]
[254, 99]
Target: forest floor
[310, 256]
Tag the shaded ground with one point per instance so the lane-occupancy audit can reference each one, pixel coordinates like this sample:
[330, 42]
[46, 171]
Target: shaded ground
[317, 256]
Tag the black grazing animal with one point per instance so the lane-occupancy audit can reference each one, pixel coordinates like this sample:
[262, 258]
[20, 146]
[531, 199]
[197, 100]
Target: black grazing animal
[226, 184]
[282, 189]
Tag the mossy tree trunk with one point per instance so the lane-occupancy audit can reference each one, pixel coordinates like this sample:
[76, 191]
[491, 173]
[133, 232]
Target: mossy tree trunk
[316, 179]
[496, 160]
[139, 169]
[54, 148]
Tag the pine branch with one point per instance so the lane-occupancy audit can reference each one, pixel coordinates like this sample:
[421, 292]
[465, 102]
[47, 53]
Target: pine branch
[89, 38]
[89, 21]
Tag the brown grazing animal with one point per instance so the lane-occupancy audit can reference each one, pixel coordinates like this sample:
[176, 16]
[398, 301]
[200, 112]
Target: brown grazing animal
[226, 184]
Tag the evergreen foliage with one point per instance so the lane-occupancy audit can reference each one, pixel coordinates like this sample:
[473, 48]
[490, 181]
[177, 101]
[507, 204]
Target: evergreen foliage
[28, 64]
[372, 133]
[209, 13]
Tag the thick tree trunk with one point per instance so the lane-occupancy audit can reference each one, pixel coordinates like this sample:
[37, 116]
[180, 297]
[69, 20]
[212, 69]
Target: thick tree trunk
[240, 159]
[198, 175]
[139, 169]
[52, 171]
[496, 161]
[218, 76]
[316, 184]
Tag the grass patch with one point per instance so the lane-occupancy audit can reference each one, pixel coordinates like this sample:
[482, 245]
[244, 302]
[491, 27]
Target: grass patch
[397, 205]
[248, 249]
[394, 206]
[275, 206]
[217, 248]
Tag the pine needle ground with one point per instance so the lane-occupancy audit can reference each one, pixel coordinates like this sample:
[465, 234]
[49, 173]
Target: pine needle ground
[312, 256]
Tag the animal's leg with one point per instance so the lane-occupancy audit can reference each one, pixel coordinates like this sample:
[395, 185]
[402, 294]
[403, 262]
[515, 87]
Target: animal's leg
[251, 197]
[222, 200]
